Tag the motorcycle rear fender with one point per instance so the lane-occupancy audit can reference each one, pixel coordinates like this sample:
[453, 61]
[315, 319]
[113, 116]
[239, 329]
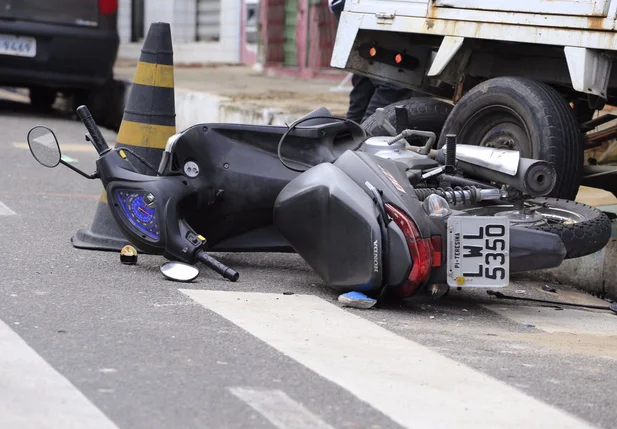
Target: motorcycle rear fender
[531, 249]
[336, 228]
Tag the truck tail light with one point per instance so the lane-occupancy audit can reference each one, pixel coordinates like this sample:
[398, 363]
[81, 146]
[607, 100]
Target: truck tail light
[107, 7]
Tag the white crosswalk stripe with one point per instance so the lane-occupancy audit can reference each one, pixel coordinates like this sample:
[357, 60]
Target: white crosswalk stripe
[278, 408]
[34, 395]
[5, 210]
[411, 384]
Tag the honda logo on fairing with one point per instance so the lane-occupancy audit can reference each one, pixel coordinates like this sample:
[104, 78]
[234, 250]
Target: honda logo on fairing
[375, 257]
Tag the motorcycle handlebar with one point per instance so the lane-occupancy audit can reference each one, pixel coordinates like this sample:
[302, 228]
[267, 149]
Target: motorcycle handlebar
[220, 268]
[98, 141]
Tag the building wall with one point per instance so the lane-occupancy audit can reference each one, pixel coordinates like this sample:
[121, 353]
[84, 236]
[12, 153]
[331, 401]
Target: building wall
[124, 20]
[182, 16]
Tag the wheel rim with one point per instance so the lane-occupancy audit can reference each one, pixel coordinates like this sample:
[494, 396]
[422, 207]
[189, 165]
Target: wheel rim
[530, 215]
[499, 127]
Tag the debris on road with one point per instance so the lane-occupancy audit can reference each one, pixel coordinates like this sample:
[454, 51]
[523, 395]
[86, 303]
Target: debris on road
[547, 288]
[128, 255]
[356, 300]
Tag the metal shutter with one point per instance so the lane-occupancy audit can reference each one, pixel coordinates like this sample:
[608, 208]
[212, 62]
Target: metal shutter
[208, 20]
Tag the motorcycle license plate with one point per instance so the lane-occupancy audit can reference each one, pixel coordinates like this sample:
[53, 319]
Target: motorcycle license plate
[478, 251]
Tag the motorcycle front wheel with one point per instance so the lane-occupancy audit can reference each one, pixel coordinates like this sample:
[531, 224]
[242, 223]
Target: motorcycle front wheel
[583, 229]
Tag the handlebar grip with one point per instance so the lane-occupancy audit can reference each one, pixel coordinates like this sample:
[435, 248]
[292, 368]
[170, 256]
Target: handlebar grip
[220, 268]
[98, 141]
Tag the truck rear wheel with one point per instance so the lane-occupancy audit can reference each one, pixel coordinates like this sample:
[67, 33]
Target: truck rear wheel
[531, 117]
[423, 113]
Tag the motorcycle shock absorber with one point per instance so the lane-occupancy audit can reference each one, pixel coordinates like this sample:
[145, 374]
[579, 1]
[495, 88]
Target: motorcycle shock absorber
[466, 196]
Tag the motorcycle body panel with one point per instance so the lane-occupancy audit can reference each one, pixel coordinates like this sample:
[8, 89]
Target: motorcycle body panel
[159, 228]
[332, 219]
[334, 225]
[388, 177]
[240, 176]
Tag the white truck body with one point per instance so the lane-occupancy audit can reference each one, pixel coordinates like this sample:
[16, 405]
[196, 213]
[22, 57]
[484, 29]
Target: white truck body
[567, 43]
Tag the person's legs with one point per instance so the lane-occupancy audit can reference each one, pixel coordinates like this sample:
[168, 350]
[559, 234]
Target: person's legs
[360, 97]
[386, 94]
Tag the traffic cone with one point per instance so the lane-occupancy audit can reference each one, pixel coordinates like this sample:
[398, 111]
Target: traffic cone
[149, 120]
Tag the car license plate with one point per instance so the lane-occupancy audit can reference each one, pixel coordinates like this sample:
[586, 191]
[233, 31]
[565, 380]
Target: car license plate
[17, 46]
[478, 251]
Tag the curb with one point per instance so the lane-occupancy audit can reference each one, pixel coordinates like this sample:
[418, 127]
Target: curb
[194, 107]
[595, 274]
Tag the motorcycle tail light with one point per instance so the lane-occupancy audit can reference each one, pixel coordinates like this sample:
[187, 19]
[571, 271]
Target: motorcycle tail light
[421, 250]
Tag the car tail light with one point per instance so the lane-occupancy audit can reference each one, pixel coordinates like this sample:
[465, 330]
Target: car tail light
[108, 6]
[421, 250]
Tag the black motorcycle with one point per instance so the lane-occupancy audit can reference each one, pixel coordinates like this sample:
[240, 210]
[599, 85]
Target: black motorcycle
[352, 215]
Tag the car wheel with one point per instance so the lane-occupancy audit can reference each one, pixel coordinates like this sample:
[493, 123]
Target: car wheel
[104, 102]
[520, 114]
[42, 98]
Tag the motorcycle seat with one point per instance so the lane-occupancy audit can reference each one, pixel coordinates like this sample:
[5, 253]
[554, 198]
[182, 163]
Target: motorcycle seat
[314, 141]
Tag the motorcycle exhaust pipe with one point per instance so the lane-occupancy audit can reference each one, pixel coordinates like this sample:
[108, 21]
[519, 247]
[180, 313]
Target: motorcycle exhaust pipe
[533, 177]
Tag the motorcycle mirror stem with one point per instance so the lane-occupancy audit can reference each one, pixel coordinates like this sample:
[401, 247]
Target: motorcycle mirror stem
[95, 175]
[94, 136]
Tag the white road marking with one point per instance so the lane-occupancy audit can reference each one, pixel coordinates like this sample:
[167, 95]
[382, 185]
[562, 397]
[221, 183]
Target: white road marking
[34, 395]
[5, 211]
[411, 384]
[278, 408]
[65, 147]
[568, 320]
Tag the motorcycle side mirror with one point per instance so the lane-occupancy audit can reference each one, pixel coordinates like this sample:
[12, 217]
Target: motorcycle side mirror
[44, 146]
[45, 149]
[179, 272]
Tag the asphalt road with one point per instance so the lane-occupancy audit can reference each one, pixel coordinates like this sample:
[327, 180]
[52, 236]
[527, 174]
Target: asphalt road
[86, 342]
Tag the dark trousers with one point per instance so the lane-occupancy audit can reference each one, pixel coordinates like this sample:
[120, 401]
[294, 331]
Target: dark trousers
[369, 94]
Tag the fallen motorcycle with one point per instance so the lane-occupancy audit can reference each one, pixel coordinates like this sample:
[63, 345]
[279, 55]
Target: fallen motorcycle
[352, 215]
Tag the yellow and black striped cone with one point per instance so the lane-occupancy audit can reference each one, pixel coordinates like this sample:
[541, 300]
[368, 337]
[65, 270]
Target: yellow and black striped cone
[149, 120]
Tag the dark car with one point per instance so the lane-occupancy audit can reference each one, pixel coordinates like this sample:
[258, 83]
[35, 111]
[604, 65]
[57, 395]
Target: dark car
[52, 46]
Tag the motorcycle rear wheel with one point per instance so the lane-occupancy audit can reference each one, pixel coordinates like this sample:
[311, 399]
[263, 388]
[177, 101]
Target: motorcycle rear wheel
[583, 229]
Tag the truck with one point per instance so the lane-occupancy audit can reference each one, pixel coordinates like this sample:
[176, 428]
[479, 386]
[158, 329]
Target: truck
[530, 75]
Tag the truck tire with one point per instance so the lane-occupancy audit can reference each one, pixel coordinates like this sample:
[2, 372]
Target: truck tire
[531, 117]
[425, 114]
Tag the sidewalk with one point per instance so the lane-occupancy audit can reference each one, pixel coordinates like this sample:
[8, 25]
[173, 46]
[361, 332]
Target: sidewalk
[239, 94]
